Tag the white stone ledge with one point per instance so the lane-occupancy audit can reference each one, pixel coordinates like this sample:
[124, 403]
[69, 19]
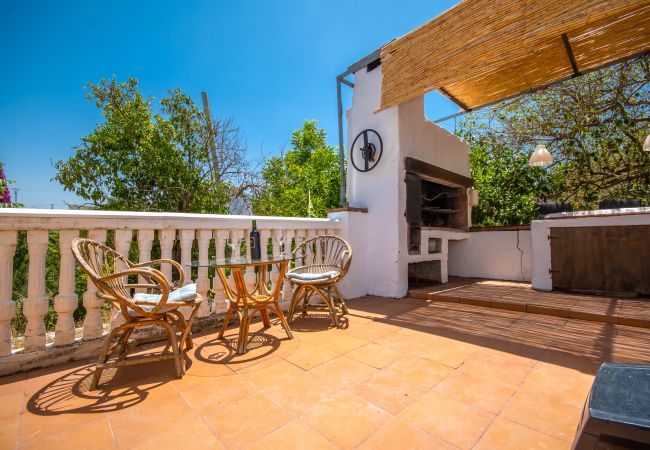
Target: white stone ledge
[61, 219]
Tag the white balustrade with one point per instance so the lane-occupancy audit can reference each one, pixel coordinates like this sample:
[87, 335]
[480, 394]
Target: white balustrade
[65, 302]
[220, 239]
[8, 241]
[202, 282]
[147, 228]
[35, 306]
[93, 321]
[145, 243]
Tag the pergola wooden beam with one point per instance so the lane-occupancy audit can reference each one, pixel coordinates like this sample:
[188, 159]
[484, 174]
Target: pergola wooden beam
[482, 51]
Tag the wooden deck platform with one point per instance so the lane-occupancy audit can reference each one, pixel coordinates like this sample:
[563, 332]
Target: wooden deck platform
[515, 296]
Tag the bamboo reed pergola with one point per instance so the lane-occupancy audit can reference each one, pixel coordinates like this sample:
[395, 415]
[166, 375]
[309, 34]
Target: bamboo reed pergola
[483, 51]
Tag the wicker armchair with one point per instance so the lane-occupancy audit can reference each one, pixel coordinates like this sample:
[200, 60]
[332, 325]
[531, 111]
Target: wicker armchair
[324, 261]
[159, 306]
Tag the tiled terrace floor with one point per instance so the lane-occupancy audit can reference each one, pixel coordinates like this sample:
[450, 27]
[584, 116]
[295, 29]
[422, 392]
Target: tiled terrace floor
[404, 373]
[516, 296]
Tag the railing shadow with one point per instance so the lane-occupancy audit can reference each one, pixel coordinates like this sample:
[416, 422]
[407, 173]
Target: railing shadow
[566, 342]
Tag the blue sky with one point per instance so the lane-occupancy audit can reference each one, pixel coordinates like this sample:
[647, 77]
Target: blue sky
[270, 65]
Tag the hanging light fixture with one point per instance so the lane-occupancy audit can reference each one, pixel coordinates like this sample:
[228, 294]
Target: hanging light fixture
[540, 157]
[646, 144]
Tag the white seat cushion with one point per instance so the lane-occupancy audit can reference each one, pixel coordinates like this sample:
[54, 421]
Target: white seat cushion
[312, 276]
[184, 295]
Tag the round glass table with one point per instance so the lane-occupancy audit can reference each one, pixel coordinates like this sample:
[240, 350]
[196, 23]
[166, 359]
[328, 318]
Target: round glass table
[246, 303]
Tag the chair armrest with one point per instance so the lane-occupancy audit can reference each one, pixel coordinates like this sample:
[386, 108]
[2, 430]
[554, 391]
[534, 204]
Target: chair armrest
[179, 268]
[156, 276]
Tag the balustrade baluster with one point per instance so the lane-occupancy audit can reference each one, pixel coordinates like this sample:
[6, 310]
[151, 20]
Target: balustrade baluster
[220, 305]
[66, 301]
[8, 240]
[167, 238]
[202, 281]
[35, 306]
[145, 243]
[300, 237]
[187, 238]
[93, 327]
[123, 240]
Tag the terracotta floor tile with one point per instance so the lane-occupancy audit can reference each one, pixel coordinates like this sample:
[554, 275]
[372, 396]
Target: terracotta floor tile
[506, 435]
[282, 372]
[541, 413]
[449, 419]
[93, 435]
[526, 355]
[210, 396]
[559, 383]
[443, 368]
[401, 383]
[13, 383]
[485, 393]
[128, 424]
[496, 369]
[340, 343]
[445, 351]
[9, 432]
[295, 434]
[374, 355]
[301, 392]
[12, 404]
[343, 371]
[242, 423]
[398, 434]
[308, 357]
[346, 419]
[191, 435]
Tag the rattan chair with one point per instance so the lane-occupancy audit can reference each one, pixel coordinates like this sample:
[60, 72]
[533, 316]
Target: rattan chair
[158, 306]
[324, 261]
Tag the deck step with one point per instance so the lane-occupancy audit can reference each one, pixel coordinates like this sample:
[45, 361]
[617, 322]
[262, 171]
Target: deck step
[520, 297]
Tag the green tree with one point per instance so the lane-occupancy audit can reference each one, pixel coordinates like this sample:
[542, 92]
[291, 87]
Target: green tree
[137, 159]
[593, 125]
[304, 181]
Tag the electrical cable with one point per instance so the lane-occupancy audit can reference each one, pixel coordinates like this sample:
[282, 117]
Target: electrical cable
[521, 258]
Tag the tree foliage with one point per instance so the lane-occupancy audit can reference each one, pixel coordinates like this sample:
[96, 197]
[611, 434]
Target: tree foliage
[593, 125]
[304, 181]
[172, 160]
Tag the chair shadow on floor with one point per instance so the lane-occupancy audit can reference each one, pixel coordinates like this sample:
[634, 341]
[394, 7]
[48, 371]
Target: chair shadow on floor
[118, 389]
[316, 322]
[261, 344]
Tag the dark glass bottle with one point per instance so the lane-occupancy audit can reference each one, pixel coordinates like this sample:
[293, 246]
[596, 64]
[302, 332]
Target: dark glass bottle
[254, 242]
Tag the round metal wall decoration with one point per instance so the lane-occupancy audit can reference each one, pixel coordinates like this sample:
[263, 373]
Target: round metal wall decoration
[369, 154]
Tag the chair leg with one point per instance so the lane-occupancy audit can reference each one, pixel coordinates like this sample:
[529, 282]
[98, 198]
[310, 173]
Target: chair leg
[344, 307]
[283, 321]
[330, 304]
[226, 320]
[186, 335]
[295, 298]
[244, 322]
[178, 357]
[103, 357]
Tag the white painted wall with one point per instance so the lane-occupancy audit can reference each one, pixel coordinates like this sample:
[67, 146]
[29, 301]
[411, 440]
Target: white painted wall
[541, 245]
[405, 132]
[492, 254]
[351, 227]
[377, 190]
